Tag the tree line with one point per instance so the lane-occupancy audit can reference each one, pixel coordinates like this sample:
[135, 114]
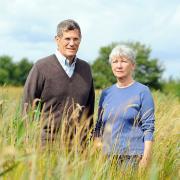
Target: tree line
[12, 73]
[148, 70]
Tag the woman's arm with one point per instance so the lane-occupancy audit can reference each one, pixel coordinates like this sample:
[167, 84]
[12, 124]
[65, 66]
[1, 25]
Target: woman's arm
[147, 154]
[148, 119]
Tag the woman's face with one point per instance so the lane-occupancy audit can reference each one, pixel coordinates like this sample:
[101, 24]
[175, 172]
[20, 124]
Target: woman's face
[122, 67]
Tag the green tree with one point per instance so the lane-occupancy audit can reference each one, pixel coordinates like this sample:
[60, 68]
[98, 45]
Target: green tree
[4, 76]
[13, 73]
[148, 71]
[172, 86]
[6, 69]
[21, 71]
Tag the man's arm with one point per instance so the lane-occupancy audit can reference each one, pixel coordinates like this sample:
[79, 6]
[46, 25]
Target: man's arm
[32, 88]
[90, 105]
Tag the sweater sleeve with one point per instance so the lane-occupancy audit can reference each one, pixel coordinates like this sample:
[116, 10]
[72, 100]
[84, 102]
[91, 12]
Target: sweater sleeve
[90, 105]
[147, 115]
[91, 100]
[33, 86]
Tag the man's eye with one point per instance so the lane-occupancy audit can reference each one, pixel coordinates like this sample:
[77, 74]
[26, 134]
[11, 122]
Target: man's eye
[75, 39]
[67, 39]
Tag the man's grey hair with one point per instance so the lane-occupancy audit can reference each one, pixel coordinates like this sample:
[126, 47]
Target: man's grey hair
[123, 50]
[68, 25]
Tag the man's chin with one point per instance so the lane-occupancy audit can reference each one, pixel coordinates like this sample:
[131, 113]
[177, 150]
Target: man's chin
[70, 56]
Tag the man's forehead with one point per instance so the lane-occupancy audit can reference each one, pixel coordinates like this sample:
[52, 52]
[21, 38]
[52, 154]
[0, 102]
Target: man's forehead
[71, 32]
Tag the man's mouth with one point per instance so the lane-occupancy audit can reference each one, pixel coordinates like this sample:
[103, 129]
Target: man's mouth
[71, 49]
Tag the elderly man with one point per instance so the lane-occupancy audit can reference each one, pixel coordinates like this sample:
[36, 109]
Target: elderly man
[61, 82]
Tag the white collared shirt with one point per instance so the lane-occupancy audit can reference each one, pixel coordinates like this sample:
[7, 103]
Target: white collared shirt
[68, 68]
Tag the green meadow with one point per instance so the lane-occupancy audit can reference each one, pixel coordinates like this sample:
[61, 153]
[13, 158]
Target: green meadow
[21, 156]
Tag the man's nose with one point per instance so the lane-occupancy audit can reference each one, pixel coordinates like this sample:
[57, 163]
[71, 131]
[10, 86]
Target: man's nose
[71, 42]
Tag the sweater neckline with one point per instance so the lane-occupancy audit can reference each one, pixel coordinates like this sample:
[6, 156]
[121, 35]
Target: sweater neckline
[62, 70]
[123, 87]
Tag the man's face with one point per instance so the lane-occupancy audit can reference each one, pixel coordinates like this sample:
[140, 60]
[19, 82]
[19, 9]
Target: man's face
[68, 43]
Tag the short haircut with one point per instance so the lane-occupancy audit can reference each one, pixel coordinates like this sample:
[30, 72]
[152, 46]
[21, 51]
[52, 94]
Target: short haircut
[68, 25]
[123, 50]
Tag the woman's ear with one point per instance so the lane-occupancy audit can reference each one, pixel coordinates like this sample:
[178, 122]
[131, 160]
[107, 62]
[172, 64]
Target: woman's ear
[134, 66]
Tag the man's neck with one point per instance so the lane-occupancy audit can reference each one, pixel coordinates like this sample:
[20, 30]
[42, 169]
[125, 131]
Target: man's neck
[70, 60]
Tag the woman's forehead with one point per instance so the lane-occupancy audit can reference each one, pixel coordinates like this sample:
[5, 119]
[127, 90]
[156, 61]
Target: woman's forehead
[120, 57]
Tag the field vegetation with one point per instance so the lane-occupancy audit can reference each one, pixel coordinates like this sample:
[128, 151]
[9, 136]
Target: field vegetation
[21, 156]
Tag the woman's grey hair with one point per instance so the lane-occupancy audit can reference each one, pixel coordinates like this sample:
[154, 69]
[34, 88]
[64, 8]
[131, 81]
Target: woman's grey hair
[68, 25]
[123, 50]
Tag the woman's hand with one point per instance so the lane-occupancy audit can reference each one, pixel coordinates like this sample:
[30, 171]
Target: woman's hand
[147, 154]
[144, 162]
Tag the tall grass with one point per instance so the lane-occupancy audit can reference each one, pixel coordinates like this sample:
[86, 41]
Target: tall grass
[22, 157]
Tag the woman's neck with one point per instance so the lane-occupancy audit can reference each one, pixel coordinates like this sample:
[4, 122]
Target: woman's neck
[125, 82]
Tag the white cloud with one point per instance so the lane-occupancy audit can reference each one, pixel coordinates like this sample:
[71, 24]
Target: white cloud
[27, 28]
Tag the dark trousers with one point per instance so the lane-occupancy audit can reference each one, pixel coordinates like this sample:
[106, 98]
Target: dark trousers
[126, 161]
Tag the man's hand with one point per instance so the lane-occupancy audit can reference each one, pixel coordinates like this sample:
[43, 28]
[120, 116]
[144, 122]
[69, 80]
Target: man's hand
[98, 143]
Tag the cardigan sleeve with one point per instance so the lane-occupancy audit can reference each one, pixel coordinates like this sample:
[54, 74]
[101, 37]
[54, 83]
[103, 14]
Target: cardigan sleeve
[147, 115]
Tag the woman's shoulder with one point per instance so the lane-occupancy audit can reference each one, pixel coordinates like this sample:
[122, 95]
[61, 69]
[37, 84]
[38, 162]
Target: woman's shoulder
[141, 87]
[109, 89]
[105, 92]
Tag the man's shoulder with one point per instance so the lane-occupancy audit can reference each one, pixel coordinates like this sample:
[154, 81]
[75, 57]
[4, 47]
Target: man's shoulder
[83, 62]
[45, 60]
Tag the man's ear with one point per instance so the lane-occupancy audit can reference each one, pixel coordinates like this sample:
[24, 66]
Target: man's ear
[56, 38]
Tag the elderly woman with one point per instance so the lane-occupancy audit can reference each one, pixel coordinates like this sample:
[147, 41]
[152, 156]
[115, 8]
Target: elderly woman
[126, 112]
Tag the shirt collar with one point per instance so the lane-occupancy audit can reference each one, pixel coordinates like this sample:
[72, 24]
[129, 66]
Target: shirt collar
[63, 60]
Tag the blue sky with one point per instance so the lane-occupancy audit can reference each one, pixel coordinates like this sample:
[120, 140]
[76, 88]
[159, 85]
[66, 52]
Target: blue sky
[27, 28]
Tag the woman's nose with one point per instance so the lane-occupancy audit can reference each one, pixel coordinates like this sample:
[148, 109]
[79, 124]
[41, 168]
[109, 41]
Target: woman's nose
[119, 64]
